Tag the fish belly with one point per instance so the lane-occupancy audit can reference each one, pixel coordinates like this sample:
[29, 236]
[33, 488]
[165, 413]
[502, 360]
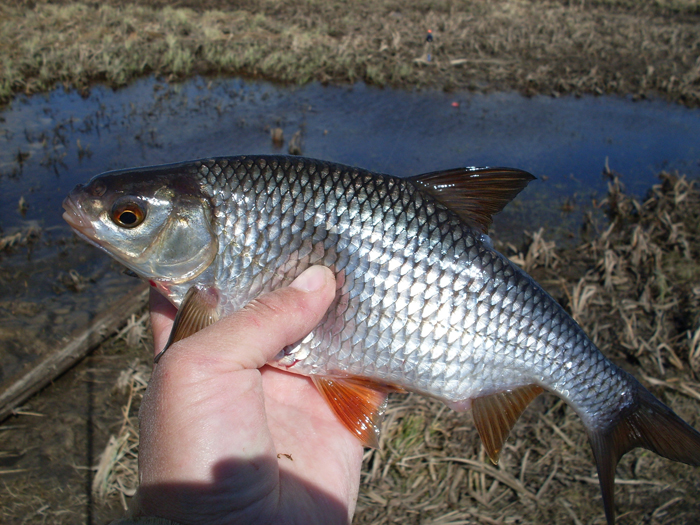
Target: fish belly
[458, 330]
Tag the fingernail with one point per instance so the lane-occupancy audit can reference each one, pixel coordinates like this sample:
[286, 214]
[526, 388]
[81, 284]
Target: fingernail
[311, 279]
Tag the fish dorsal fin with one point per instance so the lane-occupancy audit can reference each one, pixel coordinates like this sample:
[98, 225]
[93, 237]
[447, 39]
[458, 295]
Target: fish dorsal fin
[359, 403]
[198, 310]
[495, 415]
[475, 194]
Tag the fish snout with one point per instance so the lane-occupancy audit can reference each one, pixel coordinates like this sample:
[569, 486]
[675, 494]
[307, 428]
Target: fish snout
[75, 216]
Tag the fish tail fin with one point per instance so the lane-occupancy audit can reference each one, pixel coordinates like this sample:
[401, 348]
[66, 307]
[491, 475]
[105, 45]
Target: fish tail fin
[650, 424]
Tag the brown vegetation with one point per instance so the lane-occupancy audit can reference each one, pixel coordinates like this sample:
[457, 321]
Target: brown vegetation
[535, 46]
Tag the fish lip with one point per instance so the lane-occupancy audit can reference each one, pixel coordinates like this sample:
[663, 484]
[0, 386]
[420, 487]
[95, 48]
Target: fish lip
[76, 219]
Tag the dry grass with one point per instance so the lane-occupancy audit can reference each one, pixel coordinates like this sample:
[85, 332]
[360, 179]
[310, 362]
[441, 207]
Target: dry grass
[116, 472]
[635, 288]
[534, 46]
[646, 275]
[21, 237]
[539, 253]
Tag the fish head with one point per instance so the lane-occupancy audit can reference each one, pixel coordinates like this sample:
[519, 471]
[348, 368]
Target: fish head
[155, 221]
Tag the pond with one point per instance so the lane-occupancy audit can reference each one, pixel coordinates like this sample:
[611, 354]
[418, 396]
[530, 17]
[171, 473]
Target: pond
[52, 142]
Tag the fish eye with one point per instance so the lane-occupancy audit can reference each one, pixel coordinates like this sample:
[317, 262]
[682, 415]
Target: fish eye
[128, 212]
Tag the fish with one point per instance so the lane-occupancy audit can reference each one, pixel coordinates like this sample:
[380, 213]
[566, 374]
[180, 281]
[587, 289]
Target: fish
[424, 303]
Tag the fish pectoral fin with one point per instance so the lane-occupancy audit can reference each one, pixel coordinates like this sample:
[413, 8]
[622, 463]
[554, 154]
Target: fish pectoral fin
[475, 194]
[495, 414]
[198, 310]
[359, 403]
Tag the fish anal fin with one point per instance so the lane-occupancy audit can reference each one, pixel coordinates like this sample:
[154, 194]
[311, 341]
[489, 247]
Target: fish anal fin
[359, 403]
[198, 310]
[647, 423]
[475, 194]
[495, 414]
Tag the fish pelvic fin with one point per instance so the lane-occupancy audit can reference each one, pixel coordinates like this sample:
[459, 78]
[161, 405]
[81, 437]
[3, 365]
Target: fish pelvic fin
[475, 194]
[198, 310]
[647, 423]
[495, 415]
[359, 404]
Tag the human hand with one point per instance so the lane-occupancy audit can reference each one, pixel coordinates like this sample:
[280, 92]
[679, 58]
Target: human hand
[225, 439]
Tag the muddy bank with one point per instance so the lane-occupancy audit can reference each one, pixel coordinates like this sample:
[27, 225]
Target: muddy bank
[640, 48]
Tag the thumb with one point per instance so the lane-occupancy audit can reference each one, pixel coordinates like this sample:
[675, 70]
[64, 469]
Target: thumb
[205, 401]
[252, 336]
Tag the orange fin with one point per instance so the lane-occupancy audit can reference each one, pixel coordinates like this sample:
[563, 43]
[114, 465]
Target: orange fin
[198, 310]
[647, 423]
[475, 194]
[495, 415]
[359, 403]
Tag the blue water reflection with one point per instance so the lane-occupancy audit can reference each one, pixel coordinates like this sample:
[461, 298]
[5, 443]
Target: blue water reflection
[51, 142]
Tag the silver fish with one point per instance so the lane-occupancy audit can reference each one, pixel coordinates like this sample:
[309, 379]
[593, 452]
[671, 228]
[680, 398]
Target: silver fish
[424, 303]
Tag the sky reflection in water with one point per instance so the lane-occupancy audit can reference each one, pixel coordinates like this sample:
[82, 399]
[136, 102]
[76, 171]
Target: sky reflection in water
[63, 139]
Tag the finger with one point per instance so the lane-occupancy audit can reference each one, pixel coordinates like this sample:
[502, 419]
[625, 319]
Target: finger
[162, 315]
[255, 334]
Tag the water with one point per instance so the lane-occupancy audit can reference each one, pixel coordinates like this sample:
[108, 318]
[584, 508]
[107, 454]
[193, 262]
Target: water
[51, 142]
[64, 139]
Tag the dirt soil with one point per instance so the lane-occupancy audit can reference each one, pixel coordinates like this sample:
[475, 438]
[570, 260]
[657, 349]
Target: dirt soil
[642, 48]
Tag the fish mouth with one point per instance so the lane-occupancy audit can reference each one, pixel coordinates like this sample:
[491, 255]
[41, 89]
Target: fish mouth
[76, 219]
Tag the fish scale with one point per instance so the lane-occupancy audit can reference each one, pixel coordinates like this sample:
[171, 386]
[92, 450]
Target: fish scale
[455, 357]
[423, 302]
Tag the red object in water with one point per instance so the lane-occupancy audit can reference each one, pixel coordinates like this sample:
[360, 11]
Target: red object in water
[455, 104]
